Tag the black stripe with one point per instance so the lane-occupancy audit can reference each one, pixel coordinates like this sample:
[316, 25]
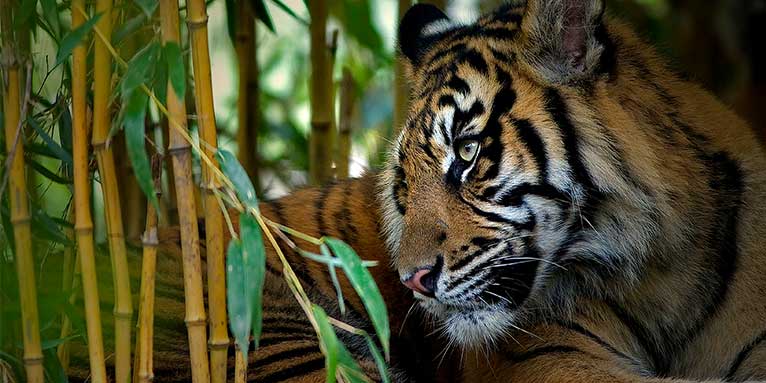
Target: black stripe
[458, 85]
[601, 342]
[515, 196]
[492, 149]
[482, 248]
[476, 61]
[284, 355]
[544, 351]
[319, 207]
[744, 354]
[293, 371]
[500, 33]
[529, 136]
[644, 336]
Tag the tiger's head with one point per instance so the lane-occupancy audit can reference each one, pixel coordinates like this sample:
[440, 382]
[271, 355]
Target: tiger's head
[486, 194]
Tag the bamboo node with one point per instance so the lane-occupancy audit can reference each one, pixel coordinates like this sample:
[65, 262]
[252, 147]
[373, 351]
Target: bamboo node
[218, 344]
[196, 24]
[178, 150]
[123, 314]
[33, 359]
[20, 220]
[196, 322]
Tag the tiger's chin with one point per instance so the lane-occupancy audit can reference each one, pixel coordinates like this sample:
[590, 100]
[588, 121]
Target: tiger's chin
[473, 327]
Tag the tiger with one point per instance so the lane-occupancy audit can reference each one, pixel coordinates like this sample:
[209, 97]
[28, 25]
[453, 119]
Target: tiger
[560, 204]
[564, 203]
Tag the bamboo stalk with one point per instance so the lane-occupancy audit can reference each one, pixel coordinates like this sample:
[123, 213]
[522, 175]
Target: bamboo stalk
[171, 211]
[401, 87]
[19, 203]
[102, 92]
[71, 274]
[321, 86]
[248, 108]
[145, 342]
[82, 189]
[240, 366]
[345, 124]
[181, 154]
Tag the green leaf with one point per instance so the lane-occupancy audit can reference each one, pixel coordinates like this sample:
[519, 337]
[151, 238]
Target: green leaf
[231, 19]
[238, 302]
[290, 12]
[125, 29]
[24, 11]
[337, 357]
[51, 15]
[334, 279]
[60, 153]
[54, 372]
[329, 342]
[262, 13]
[148, 6]
[160, 81]
[175, 64]
[236, 173]
[73, 38]
[140, 68]
[255, 267]
[52, 343]
[380, 362]
[365, 287]
[135, 111]
[45, 172]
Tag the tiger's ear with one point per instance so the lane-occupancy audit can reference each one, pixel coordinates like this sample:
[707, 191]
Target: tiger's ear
[564, 39]
[420, 27]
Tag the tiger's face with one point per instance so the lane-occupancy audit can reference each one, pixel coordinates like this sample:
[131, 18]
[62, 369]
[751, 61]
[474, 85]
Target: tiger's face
[484, 186]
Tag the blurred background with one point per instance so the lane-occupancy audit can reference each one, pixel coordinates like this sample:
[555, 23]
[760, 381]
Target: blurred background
[717, 42]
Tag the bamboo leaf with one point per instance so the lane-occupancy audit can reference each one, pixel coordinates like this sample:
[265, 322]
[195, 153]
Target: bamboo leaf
[160, 81]
[148, 6]
[73, 38]
[175, 66]
[140, 68]
[24, 12]
[238, 302]
[123, 30]
[262, 13]
[135, 111]
[281, 5]
[231, 19]
[328, 341]
[242, 184]
[365, 286]
[255, 267]
[51, 15]
[45, 172]
[380, 362]
[60, 153]
[54, 372]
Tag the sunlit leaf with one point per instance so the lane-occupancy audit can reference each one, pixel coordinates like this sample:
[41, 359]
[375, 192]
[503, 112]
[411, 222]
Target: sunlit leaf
[148, 6]
[242, 184]
[255, 266]
[365, 287]
[330, 344]
[140, 68]
[73, 38]
[238, 298]
[175, 66]
[135, 112]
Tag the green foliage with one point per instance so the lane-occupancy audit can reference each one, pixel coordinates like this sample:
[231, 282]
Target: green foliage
[337, 357]
[73, 39]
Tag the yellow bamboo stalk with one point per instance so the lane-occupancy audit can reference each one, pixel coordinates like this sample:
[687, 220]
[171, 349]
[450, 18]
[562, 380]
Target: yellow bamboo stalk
[181, 154]
[71, 274]
[19, 203]
[145, 342]
[401, 87]
[248, 107]
[345, 124]
[102, 91]
[83, 221]
[321, 86]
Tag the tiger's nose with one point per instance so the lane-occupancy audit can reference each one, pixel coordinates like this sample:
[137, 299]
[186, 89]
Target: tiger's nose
[424, 279]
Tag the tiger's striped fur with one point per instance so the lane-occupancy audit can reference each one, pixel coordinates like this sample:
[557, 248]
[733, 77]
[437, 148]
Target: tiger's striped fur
[612, 219]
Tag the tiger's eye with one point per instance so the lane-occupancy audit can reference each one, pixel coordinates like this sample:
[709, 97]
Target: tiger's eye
[468, 149]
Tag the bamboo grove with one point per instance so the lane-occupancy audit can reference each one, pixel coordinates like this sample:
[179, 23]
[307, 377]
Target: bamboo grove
[129, 129]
